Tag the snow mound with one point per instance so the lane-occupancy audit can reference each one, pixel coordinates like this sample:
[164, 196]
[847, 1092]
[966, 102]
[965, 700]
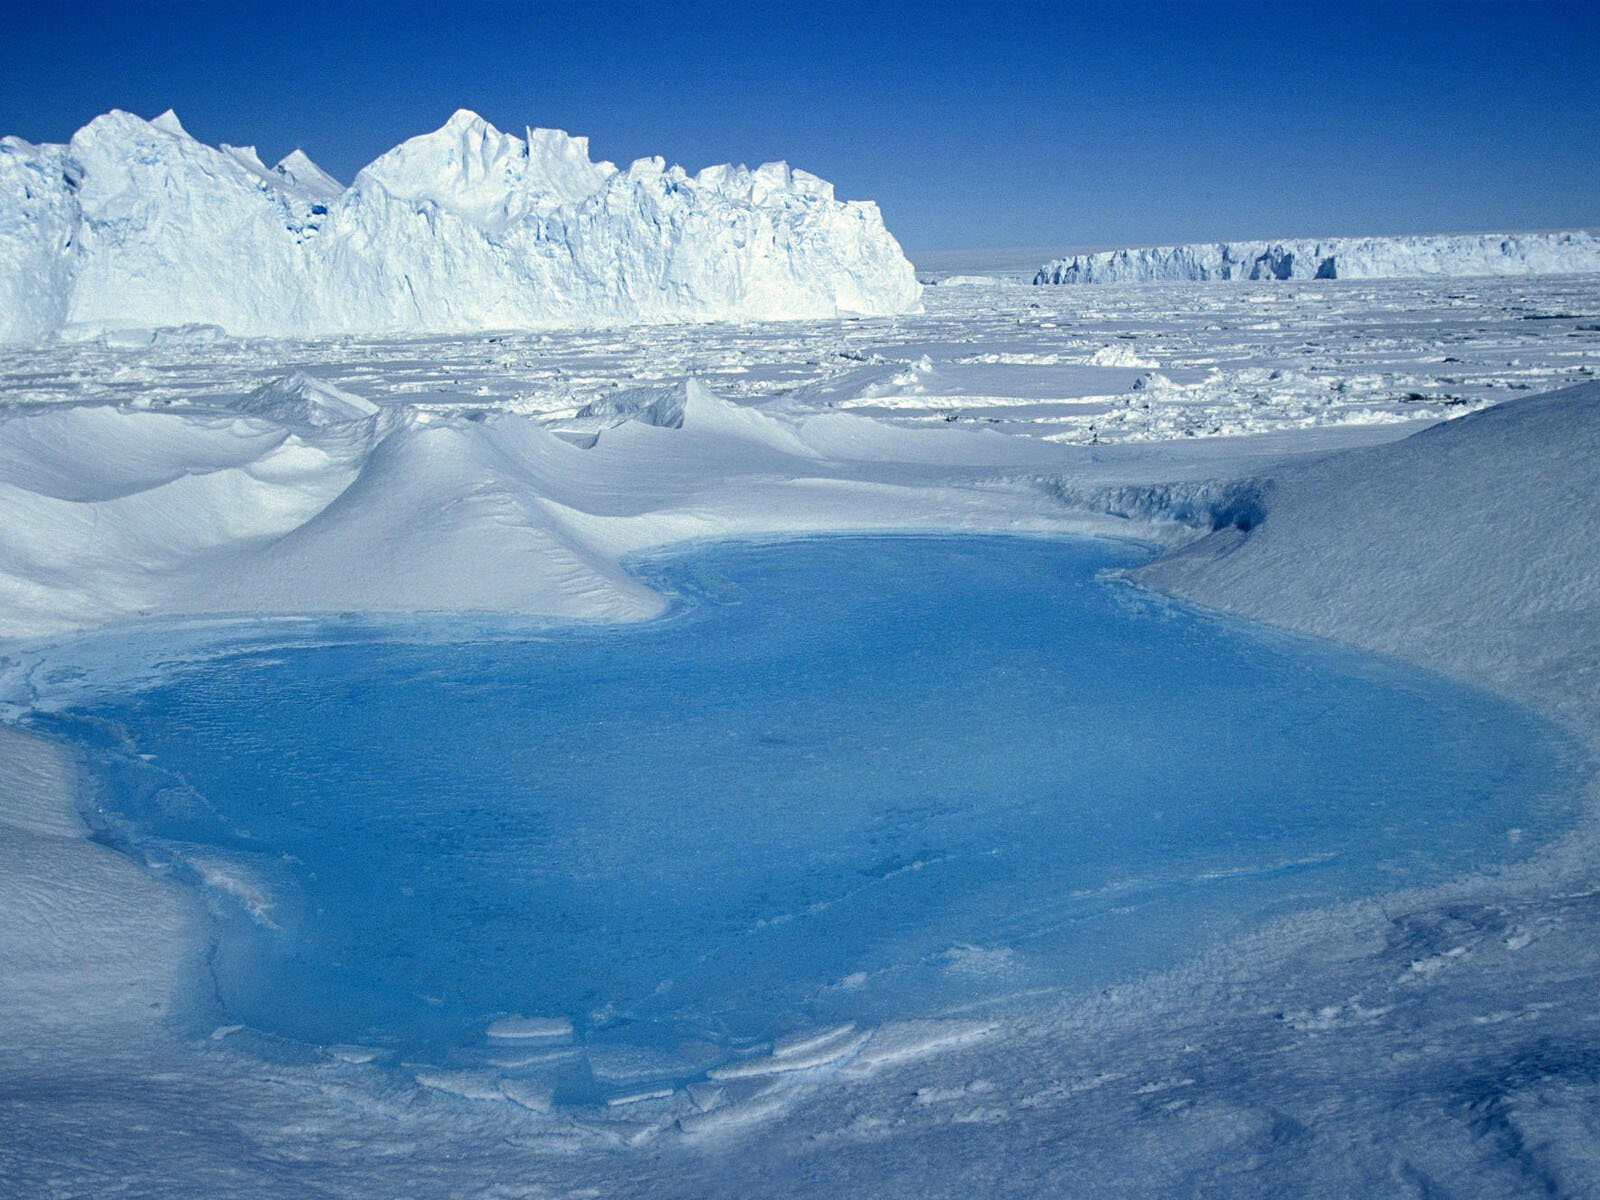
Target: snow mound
[695, 409]
[135, 223]
[1471, 547]
[299, 399]
[438, 515]
[93, 944]
[290, 501]
[1561, 253]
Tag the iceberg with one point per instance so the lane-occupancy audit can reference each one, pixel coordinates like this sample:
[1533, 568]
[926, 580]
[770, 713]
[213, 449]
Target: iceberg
[1566, 252]
[135, 223]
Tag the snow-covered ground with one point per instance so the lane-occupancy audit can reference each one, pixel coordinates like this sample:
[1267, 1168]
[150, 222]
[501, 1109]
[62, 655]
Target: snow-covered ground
[1563, 252]
[136, 485]
[1439, 1043]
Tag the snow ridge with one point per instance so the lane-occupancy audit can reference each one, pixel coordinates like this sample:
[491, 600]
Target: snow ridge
[135, 223]
[1489, 521]
[1561, 253]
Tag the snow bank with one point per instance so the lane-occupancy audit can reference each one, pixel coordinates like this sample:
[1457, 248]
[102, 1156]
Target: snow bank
[1567, 252]
[94, 946]
[135, 223]
[1472, 547]
[302, 497]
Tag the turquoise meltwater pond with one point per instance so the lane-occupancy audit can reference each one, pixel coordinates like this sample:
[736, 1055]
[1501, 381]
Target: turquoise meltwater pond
[846, 778]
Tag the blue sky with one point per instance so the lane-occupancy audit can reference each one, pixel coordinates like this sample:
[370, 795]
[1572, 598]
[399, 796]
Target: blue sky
[972, 124]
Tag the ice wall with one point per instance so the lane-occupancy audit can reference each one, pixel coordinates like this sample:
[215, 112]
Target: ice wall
[134, 222]
[1561, 253]
[38, 218]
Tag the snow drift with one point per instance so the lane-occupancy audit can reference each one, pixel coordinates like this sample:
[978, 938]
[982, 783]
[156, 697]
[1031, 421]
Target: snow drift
[1471, 547]
[135, 223]
[302, 497]
[1563, 253]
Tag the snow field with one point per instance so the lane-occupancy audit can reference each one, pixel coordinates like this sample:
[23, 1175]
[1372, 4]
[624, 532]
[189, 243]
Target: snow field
[1431, 1043]
[1058, 363]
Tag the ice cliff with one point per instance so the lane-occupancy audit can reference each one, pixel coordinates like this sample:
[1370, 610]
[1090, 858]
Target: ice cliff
[1567, 252]
[135, 223]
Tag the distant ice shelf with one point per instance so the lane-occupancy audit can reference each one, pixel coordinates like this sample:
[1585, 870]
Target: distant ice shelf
[1566, 252]
[134, 223]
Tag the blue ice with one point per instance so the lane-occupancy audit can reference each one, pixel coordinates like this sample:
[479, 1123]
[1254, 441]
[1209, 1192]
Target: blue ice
[846, 778]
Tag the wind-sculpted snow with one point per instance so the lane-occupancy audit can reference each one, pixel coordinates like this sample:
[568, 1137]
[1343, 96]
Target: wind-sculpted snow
[134, 223]
[1488, 520]
[1562, 253]
[299, 496]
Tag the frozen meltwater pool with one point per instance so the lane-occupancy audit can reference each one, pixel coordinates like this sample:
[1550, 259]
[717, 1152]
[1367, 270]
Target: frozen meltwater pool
[846, 779]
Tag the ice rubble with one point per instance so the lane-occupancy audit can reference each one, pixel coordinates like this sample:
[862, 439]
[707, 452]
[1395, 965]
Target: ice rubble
[135, 223]
[1558, 253]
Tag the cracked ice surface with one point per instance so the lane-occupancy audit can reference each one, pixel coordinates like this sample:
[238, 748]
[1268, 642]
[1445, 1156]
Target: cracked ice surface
[1111, 364]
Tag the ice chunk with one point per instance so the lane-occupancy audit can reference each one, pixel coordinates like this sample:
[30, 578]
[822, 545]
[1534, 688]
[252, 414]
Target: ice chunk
[810, 1041]
[300, 399]
[898, 1041]
[765, 1104]
[809, 1052]
[356, 1055]
[658, 1093]
[632, 1063]
[519, 1028]
[467, 1084]
[529, 1094]
[706, 1096]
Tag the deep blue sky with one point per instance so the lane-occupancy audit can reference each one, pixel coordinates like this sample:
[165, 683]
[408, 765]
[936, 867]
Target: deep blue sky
[972, 124]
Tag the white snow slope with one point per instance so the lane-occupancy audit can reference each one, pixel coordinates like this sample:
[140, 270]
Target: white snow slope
[305, 498]
[1434, 549]
[135, 223]
[1562, 253]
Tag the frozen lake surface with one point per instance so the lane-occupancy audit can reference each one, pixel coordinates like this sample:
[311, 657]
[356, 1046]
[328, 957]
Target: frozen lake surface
[846, 779]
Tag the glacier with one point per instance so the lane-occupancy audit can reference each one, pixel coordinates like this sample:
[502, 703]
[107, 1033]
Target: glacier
[135, 223]
[1564, 252]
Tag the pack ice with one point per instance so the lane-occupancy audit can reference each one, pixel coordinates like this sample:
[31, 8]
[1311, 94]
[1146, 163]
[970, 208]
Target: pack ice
[1560, 253]
[135, 223]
